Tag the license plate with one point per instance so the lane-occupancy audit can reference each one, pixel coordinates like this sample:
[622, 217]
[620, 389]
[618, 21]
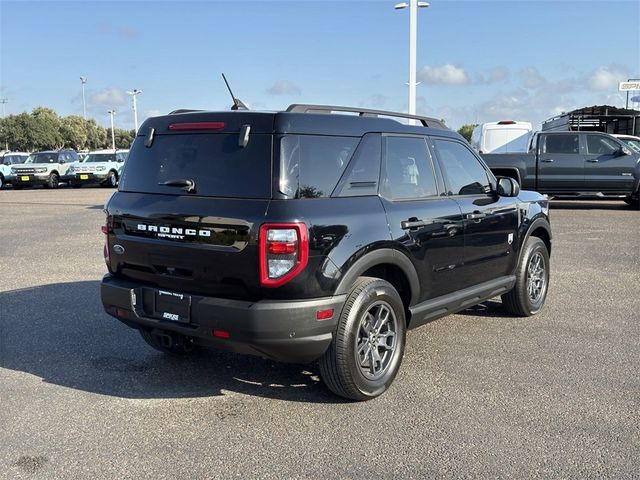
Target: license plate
[175, 307]
[24, 178]
[84, 177]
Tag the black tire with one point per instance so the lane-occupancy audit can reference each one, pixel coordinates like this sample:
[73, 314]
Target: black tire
[532, 280]
[342, 367]
[1, 182]
[182, 347]
[112, 180]
[53, 181]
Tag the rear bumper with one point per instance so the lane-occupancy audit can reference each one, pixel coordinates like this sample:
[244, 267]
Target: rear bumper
[286, 331]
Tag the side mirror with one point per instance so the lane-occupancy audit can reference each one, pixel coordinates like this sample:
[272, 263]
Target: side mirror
[508, 187]
[623, 151]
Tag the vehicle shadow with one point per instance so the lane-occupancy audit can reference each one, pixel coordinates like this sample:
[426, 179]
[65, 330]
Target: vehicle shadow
[488, 308]
[60, 333]
[566, 204]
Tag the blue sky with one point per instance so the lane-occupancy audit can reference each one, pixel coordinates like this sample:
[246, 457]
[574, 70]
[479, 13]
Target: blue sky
[477, 60]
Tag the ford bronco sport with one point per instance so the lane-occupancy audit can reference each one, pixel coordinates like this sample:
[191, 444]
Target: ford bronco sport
[43, 168]
[309, 235]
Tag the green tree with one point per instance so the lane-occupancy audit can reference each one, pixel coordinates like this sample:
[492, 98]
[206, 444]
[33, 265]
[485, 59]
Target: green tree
[96, 135]
[74, 132]
[467, 130]
[14, 132]
[45, 129]
[124, 138]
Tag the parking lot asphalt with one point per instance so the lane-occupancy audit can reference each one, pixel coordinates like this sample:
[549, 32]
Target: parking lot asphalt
[479, 394]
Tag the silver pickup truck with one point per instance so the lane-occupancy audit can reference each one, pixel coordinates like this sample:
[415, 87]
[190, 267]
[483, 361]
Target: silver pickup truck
[102, 167]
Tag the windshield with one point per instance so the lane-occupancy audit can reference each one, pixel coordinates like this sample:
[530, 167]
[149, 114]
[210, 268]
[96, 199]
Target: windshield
[217, 165]
[14, 159]
[633, 144]
[100, 157]
[44, 157]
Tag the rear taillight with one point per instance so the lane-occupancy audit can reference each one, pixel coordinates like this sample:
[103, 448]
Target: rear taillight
[105, 251]
[284, 251]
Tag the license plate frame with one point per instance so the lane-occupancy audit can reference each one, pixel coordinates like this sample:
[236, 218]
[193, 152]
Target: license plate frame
[24, 178]
[172, 306]
[83, 176]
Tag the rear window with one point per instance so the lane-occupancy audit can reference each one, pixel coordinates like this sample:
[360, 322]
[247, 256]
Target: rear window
[215, 162]
[311, 165]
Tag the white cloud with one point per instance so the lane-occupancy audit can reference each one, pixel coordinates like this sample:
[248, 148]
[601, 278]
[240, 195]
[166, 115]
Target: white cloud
[606, 77]
[109, 97]
[447, 74]
[532, 78]
[284, 87]
[494, 75]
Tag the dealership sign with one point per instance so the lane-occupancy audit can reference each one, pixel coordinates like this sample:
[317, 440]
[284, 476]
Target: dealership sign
[629, 86]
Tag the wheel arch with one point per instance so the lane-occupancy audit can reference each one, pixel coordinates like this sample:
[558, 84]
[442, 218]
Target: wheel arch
[541, 229]
[387, 264]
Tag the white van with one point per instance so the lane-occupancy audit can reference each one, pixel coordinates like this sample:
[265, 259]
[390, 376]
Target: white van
[506, 136]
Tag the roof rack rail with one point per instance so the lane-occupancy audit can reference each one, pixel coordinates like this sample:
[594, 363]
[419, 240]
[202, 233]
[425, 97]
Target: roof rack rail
[365, 112]
[184, 110]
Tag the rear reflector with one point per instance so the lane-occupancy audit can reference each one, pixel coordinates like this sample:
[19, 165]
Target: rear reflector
[104, 229]
[324, 314]
[221, 334]
[122, 313]
[196, 126]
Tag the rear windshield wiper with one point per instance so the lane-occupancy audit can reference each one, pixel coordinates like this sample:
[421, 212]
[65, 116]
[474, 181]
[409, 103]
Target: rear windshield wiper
[184, 183]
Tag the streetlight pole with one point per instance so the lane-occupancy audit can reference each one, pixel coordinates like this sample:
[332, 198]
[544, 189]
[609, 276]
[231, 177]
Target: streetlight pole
[113, 135]
[4, 101]
[83, 80]
[413, 33]
[134, 94]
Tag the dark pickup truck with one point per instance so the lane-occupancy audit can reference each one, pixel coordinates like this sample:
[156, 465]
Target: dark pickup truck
[580, 164]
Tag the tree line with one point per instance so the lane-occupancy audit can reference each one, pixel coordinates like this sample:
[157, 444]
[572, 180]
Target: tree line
[44, 129]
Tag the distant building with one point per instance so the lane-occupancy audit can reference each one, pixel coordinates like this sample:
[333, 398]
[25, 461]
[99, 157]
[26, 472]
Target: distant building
[599, 118]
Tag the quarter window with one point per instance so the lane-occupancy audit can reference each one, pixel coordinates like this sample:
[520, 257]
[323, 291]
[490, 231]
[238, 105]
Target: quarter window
[600, 145]
[465, 174]
[311, 165]
[408, 171]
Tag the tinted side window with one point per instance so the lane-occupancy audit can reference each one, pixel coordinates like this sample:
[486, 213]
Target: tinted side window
[363, 172]
[408, 171]
[598, 144]
[465, 174]
[561, 144]
[311, 165]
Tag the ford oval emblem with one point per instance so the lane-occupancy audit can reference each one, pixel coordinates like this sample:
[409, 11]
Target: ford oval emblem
[119, 249]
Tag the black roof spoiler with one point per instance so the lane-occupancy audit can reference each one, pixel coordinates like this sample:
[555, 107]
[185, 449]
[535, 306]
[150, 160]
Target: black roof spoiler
[365, 112]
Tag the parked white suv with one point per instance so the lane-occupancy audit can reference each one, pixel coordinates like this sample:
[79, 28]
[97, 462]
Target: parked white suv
[43, 168]
[101, 167]
[8, 159]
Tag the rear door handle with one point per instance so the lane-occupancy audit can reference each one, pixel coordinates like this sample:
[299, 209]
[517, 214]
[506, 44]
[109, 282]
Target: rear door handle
[593, 160]
[476, 216]
[547, 160]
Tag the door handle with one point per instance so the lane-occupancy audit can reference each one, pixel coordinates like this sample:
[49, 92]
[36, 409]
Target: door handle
[593, 160]
[409, 224]
[547, 160]
[476, 216]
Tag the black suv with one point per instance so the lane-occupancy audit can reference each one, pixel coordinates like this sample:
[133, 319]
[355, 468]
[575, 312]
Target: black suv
[308, 235]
